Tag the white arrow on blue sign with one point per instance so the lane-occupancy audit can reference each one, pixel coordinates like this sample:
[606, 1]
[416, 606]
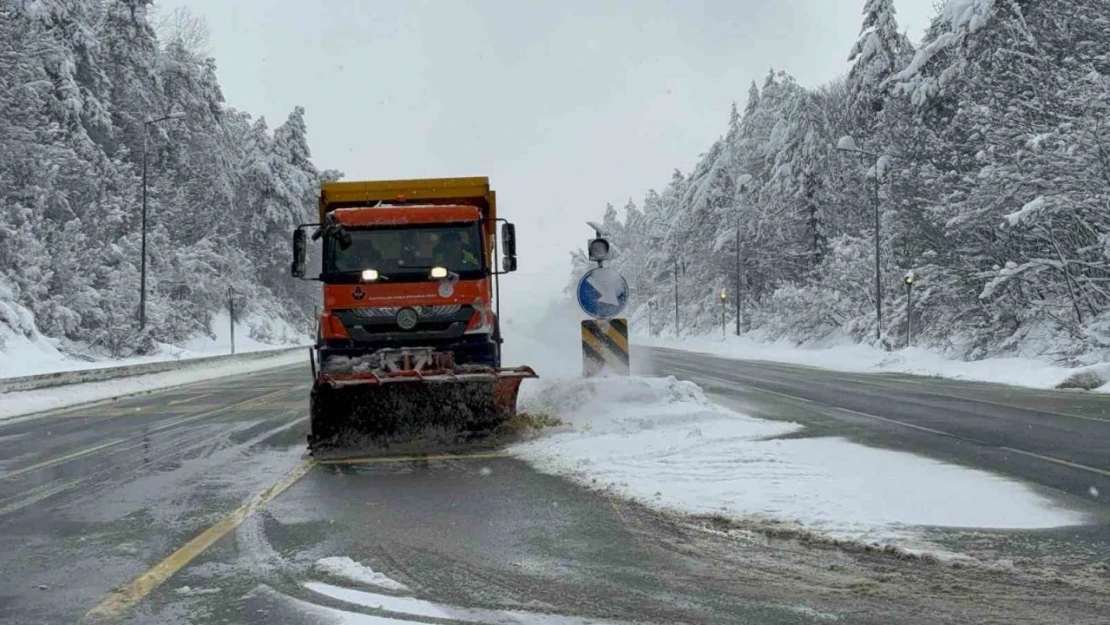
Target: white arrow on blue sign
[602, 293]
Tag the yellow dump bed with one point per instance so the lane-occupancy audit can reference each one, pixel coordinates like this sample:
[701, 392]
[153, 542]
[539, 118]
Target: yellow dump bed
[474, 191]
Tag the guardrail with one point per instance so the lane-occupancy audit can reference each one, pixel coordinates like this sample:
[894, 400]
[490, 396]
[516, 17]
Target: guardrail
[65, 378]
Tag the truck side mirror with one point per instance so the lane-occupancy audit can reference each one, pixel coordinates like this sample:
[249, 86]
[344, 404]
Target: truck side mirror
[508, 239]
[508, 264]
[300, 253]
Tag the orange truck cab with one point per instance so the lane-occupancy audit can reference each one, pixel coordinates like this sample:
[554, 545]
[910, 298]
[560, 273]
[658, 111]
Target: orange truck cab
[408, 264]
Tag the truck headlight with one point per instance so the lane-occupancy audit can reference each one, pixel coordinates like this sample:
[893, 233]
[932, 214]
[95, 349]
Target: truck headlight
[439, 273]
[370, 275]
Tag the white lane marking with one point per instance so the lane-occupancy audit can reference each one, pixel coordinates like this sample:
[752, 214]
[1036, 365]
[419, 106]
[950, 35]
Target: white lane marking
[191, 398]
[144, 432]
[1067, 463]
[37, 494]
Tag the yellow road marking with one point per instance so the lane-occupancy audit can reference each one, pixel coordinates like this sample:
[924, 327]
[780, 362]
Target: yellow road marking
[112, 443]
[388, 459]
[188, 399]
[1066, 463]
[123, 598]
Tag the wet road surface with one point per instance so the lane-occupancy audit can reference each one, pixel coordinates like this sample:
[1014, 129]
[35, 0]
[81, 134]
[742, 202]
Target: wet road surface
[198, 505]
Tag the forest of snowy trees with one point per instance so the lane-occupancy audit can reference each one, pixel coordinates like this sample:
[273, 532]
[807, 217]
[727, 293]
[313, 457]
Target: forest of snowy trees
[994, 186]
[78, 79]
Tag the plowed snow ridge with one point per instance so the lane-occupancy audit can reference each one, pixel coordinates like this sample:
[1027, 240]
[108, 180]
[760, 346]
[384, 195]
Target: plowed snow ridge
[661, 441]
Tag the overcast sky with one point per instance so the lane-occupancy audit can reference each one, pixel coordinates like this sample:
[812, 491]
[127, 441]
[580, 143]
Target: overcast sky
[565, 105]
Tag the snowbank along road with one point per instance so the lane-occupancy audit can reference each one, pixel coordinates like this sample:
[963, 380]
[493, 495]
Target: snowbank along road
[197, 504]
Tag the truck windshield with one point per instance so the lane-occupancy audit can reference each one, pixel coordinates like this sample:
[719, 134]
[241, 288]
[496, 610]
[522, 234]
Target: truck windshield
[408, 252]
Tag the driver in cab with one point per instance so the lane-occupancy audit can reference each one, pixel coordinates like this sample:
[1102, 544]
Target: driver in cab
[453, 254]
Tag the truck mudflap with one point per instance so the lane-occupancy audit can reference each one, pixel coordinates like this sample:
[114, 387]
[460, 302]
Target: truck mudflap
[412, 397]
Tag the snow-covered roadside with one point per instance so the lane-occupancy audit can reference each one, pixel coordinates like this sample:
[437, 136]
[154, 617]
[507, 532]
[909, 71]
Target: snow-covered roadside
[845, 355]
[21, 403]
[660, 441]
[31, 353]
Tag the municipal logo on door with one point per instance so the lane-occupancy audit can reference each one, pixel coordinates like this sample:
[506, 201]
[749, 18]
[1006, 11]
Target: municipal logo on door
[602, 293]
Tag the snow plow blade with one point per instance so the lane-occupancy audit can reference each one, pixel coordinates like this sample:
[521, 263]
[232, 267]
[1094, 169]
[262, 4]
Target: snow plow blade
[410, 411]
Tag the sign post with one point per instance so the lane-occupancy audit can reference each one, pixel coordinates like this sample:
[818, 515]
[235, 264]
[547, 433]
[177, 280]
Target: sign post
[603, 295]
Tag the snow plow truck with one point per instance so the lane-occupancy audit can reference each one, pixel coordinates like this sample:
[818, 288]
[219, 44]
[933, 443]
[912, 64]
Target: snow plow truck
[409, 336]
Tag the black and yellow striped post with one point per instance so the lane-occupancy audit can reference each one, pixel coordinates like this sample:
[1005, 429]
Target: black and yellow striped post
[604, 346]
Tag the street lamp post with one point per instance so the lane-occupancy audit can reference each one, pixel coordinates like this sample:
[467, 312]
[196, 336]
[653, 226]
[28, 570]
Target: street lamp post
[724, 302]
[848, 144]
[142, 262]
[676, 295]
[231, 315]
[744, 180]
[909, 280]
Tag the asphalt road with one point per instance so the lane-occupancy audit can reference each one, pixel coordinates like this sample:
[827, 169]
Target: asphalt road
[199, 505]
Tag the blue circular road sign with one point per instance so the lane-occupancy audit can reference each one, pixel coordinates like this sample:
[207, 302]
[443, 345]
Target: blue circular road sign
[602, 293]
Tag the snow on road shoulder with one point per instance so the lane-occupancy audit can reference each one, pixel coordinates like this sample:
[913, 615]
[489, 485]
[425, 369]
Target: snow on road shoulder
[19, 403]
[662, 442]
[28, 352]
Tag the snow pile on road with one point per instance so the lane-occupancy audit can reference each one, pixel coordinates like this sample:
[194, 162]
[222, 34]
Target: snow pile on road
[345, 568]
[843, 354]
[660, 441]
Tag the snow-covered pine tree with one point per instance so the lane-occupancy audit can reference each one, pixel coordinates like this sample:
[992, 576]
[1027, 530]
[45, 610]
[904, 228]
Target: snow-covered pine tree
[995, 189]
[878, 54]
[77, 80]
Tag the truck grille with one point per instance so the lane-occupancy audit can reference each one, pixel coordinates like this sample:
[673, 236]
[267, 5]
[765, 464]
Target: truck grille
[434, 322]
